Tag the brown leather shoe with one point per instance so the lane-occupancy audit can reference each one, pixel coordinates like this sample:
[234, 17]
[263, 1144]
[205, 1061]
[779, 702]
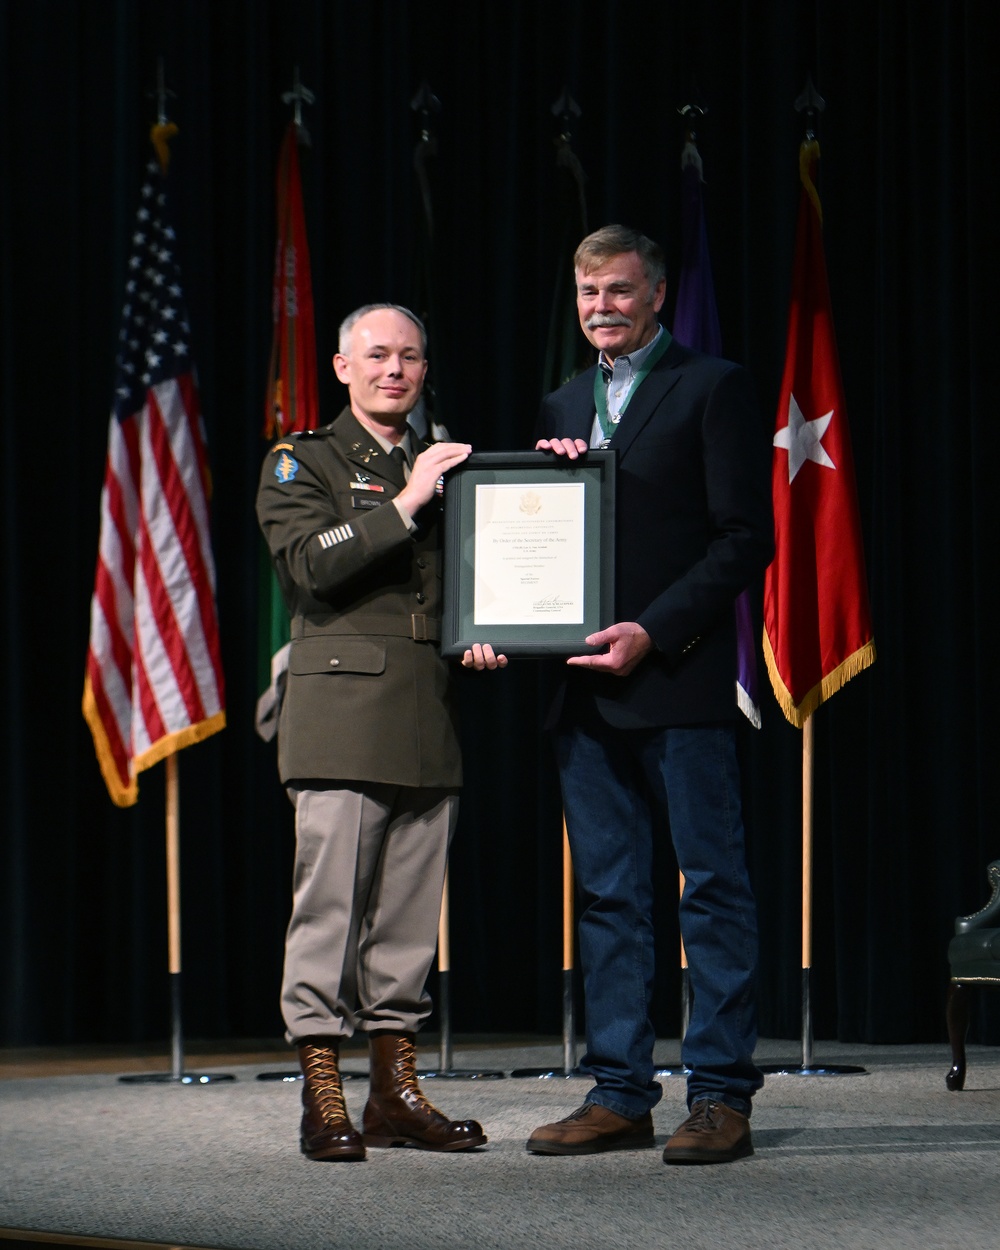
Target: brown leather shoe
[327, 1131]
[712, 1133]
[397, 1112]
[589, 1130]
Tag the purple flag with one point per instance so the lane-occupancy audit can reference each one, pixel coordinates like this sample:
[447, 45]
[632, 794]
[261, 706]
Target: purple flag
[696, 325]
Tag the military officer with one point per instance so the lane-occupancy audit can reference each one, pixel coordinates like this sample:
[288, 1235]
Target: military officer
[367, 741]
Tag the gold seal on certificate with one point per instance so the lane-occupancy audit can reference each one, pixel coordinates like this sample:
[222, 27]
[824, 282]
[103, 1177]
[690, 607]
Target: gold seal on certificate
[529, 552]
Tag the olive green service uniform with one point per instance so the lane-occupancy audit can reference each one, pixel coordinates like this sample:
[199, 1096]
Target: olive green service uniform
[367, 739]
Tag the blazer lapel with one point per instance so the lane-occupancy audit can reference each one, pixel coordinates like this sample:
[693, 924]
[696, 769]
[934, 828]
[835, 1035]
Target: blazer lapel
[659, 382]
[578, 414]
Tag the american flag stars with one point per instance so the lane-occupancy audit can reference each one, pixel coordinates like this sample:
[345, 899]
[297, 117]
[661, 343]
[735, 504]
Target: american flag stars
[155, 335]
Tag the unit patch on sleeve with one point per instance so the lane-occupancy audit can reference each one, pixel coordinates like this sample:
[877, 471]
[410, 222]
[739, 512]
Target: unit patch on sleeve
[286, 468]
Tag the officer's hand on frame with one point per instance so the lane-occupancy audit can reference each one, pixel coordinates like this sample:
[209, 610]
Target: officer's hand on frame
[627, 643]
[481, 656]
[427, 469]
[572, 448]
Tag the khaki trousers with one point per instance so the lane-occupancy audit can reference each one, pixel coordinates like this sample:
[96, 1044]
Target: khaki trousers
[369, 872]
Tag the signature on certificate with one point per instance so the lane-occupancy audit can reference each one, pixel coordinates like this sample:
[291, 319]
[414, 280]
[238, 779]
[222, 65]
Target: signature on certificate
[550, 603]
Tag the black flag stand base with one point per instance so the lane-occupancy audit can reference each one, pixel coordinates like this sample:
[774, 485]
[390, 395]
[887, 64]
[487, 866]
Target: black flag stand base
[176, 1075]
[807, 1066]
[294, 1074]
[444, 1070]
[569, 1067]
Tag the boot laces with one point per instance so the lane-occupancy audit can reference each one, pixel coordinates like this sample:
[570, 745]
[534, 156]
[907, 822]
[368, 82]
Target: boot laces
[405, 1071]
[406, 1068]
[322, 1071]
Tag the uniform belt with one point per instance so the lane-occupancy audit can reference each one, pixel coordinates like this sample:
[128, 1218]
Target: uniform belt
[418, 625]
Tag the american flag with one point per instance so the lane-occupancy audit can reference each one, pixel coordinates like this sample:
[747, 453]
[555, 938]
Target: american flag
[154, 676]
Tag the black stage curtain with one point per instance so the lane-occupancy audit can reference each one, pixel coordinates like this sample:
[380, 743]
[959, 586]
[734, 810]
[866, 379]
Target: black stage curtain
[909, 186]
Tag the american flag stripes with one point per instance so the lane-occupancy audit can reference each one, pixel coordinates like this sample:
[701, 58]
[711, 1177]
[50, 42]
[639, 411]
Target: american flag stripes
[154, 676]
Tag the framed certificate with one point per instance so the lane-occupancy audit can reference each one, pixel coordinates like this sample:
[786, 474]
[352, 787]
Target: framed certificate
[528, 552]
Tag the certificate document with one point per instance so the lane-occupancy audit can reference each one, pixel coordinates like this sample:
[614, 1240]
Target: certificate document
[529, 553]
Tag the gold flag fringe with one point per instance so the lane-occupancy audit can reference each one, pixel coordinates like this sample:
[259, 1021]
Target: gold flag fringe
[799, 713]
[170, 744]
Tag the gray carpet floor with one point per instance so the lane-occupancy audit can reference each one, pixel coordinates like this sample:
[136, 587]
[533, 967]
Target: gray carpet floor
[885, 1159]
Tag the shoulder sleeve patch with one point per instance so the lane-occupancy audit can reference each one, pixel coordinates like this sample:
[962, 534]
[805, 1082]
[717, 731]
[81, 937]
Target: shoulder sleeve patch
[286, 468]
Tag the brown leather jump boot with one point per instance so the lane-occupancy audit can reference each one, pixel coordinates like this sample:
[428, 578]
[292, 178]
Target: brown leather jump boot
[327, 1131]
[397, 1112]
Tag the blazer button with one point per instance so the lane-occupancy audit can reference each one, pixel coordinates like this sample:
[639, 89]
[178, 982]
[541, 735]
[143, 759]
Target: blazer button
[421, 563]
[421, 597]
[334, 662]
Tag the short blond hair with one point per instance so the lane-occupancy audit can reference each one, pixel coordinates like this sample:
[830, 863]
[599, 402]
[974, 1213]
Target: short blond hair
[352, 319]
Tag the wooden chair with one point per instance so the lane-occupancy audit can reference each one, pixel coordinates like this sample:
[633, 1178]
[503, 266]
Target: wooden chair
[973, 959]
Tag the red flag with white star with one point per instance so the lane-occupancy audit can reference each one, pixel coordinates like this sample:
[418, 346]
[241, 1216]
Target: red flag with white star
[817, 620]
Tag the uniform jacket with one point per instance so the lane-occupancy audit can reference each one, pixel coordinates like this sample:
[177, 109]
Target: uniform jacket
[694, 528]
[367, 696]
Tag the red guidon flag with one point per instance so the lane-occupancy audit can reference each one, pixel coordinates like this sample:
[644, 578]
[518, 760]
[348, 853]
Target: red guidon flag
[817, 621]
[154, 677]
[292, 396]
[292, 404]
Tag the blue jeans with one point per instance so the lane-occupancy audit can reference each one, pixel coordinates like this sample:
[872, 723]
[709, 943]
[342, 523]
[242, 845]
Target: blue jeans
[620, 787]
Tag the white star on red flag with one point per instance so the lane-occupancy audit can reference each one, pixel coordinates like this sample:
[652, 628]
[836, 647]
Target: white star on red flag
[803, 439]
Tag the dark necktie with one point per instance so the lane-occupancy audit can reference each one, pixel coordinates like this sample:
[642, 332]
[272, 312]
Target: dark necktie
[398, 458]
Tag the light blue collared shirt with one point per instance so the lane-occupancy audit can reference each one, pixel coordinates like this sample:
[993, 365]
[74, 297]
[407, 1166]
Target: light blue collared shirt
[622, 378]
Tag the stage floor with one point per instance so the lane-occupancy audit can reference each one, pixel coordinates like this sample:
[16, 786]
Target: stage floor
[882, 1159]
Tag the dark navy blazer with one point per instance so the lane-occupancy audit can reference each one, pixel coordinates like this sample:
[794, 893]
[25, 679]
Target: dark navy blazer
[694, 529]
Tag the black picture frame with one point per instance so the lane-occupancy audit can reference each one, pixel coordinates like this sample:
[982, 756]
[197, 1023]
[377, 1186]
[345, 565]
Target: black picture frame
[528, 469]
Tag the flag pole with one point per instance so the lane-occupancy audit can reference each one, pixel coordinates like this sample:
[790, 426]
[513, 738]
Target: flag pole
[685, 976]
[562, 362]
[678, 1069]
[807, 899]
[174, 918]
[445, 1070]
[811, 370]
[696, 325]
[569, 1013]
[808, 1066]
[569, 1067]
[291, 405]
[176, 1075]
[125, 789]
[691, 113]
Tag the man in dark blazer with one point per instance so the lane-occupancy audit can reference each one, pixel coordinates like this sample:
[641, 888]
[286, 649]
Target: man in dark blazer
[367, 741]
[644, 729]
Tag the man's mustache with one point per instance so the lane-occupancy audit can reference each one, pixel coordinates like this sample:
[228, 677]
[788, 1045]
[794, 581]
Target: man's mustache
[596, 320]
